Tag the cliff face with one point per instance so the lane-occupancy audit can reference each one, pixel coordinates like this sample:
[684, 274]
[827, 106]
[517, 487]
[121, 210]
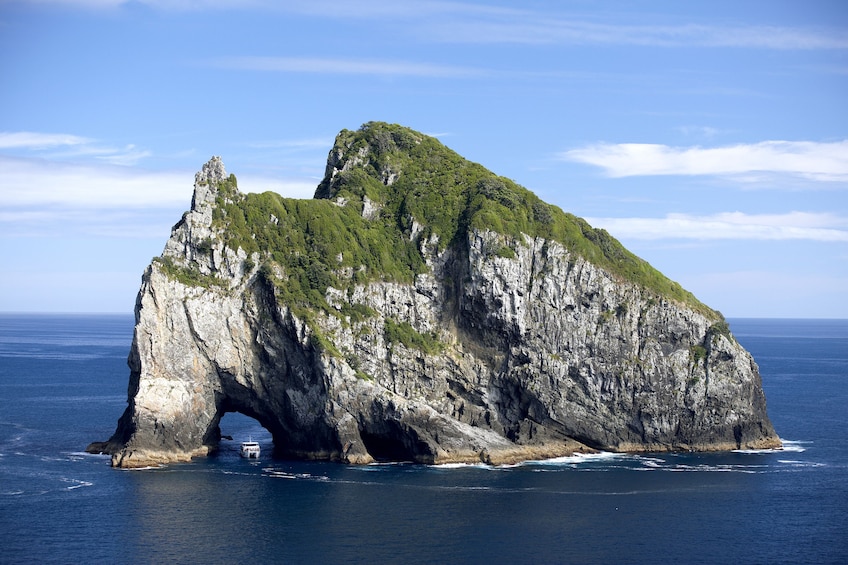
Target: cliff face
[420, 309]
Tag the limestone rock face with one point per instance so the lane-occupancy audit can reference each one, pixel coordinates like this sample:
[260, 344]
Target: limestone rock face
[496, 347]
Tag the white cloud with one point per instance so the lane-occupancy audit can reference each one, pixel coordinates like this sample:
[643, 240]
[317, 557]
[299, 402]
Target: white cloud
[126, 156]
[819, 161]
[30, 182]
[27, 183]
[35, 140]
[319, 65]
[129, 155]
[822, 227]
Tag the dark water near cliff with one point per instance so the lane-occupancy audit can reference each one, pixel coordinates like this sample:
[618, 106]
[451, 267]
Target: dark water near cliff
[63, 384]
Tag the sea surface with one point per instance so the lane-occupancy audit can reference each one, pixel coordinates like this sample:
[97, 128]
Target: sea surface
[63, 381]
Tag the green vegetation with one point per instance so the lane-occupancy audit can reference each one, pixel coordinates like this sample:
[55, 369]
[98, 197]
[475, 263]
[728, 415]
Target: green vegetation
[189, 276]
[205, 247]
[306, 238]
[320, 342]
[719, 328]
[698, 353]
[405, 334]
[412, 179]
[357, 312]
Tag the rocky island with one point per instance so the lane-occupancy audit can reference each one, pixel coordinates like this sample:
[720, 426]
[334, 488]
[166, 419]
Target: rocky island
[420, 308]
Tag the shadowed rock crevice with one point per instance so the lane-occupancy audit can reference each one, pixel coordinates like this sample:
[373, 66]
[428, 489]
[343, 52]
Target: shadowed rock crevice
[420, 309]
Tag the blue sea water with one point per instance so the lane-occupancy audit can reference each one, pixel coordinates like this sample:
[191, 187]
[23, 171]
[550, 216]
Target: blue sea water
[63, 383]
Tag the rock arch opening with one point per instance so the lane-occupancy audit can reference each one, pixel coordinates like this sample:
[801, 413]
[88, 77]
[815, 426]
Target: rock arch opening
[234, 427]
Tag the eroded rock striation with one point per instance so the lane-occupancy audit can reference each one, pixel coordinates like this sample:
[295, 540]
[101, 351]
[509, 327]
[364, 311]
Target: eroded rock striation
[420, 308]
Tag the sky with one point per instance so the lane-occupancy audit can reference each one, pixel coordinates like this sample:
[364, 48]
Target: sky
[710, 138]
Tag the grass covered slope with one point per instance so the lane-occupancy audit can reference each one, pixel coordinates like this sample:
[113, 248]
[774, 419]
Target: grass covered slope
[386, 190]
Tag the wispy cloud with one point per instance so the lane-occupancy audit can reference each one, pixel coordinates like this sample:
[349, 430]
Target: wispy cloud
[466, 22]
[37, 182]
[36, 140]
[699, 131]
[536, 28]
[341, 9]
[68, 146]
[808, 159]
[809, 226]
[319, 65]
[164, 5]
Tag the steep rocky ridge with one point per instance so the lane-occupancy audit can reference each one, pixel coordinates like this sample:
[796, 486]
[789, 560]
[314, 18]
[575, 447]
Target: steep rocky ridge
[420, 308]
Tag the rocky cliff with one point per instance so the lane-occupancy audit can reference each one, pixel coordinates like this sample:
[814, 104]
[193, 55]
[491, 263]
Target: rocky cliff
[420, 308]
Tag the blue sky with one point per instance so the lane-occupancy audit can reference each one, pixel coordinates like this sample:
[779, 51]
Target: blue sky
[711, 138]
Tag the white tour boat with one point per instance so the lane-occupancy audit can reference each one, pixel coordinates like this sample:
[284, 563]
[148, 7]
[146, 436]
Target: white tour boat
[250, 449]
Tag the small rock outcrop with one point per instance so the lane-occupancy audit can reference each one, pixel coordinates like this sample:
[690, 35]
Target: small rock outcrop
[422, 309]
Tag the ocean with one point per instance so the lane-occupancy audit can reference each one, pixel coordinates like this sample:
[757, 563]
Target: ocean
[63, 381]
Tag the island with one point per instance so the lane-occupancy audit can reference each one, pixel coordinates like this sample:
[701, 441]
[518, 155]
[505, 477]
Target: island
[421, 308]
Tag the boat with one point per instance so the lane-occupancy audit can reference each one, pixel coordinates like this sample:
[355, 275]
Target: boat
[250, 449]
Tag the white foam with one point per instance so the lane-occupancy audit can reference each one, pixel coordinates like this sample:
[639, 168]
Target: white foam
[746, 469]
[788, 445]
[800, 464]
[273, 473]
[581, 458]
[78, 455]
[281, 475]
[794, 446]
[147, 468]
[462, 466]
[652, 463]
[77, 483]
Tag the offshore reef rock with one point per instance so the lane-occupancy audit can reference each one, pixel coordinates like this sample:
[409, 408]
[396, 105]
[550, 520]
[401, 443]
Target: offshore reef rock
[422, 309]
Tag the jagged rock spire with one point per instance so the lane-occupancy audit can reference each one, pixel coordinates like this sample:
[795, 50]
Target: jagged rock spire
[205, 182]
